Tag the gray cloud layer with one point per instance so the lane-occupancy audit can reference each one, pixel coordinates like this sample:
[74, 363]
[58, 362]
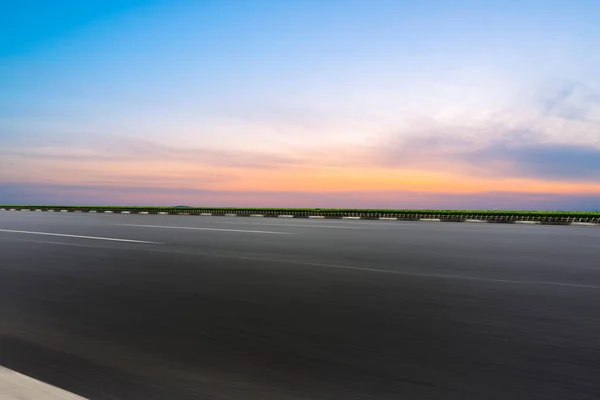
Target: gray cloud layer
[515, 154]
[540, 160]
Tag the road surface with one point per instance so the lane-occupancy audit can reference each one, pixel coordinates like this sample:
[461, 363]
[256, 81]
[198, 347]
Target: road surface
[179, 307]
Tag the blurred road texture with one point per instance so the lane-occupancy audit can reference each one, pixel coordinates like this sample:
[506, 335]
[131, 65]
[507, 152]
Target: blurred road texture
[169, 307]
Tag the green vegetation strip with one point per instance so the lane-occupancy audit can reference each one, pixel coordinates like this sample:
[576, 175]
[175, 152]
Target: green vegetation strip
[332, 212]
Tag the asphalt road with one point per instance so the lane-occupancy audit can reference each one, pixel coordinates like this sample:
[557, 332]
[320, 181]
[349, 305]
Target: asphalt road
[176, 307]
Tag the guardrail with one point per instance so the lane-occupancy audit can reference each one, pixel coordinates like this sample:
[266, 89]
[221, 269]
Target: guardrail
[472, 216]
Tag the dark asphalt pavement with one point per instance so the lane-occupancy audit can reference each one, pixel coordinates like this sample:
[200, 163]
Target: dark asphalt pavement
[262, 308]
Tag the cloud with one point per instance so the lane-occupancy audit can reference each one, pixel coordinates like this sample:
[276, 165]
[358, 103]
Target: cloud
[114, 149]
[546, 144]
[516, 157]
[492, 151]
[558, 141]
[540, 160]
[570, 100]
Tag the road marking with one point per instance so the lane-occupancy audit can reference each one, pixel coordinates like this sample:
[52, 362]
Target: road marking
[207, 229]
[78, 236]
[50, 242]
[18, 386]
[294, 225]
[353, 268]
[377, 270]
[48, 214]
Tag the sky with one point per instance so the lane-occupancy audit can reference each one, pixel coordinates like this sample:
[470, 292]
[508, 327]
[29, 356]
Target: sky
[301, 103]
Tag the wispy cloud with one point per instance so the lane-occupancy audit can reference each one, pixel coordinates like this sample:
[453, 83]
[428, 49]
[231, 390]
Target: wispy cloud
[570, 100]
[112, 148]
[559, 143]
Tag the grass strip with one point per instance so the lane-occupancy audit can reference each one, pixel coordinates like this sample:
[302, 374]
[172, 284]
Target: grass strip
[317, 211]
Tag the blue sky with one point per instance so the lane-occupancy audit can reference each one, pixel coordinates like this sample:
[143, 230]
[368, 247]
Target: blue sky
[322, 98]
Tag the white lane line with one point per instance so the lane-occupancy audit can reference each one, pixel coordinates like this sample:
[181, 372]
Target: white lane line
[294, 225]
[348, 267]
[18, 386]
[50, 242]
[48, 214]
[207, 229]
[377, 270]
[78, 236]
[308, 222]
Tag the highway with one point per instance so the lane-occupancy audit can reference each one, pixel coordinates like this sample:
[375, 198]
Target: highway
[180, 307]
